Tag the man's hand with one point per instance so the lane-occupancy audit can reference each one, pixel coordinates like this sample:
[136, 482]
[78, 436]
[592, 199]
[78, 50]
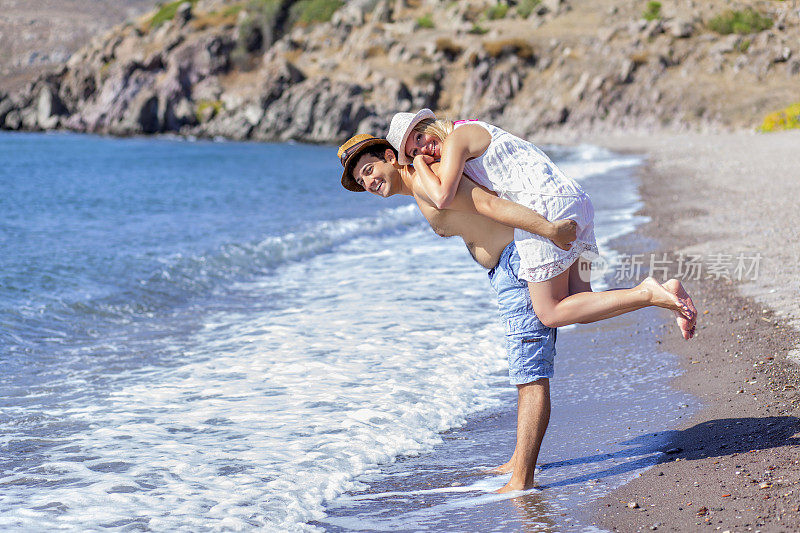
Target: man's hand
[563, 233]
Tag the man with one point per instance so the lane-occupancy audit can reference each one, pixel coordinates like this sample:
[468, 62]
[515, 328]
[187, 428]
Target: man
[371, 164]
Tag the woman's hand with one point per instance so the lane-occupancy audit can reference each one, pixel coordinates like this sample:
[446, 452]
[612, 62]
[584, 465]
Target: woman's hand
[564, 232]
[427, 159]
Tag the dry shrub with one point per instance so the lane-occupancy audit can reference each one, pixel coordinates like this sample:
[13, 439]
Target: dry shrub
[375, 51]
[216, 19]
[639, 58]
[450, 49]
[518, 47]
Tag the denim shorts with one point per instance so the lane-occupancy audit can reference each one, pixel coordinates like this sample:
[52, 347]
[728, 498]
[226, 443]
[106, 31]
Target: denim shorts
[530, 344]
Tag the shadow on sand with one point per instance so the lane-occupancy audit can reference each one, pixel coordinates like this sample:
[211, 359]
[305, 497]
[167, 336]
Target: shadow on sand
[715, 438]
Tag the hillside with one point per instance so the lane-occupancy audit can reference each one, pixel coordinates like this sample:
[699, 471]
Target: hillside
[38, 35]
[304, 70]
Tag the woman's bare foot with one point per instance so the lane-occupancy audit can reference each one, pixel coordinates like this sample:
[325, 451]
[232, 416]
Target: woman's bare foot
[687, 325]
[660, 296]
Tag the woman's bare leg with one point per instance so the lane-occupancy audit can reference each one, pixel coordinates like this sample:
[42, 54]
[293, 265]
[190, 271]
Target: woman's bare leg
[580, 273]
[555, 307]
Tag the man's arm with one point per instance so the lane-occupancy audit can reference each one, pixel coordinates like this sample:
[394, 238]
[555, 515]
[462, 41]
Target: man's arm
[472, 198]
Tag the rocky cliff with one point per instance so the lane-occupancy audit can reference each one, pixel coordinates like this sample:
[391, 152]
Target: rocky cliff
[321, 70]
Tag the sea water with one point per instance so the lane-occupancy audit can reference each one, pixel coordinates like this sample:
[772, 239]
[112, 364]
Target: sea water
[208, 336]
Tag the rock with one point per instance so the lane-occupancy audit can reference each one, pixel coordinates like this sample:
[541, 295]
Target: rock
[681, 29]
[579, 88]
[29, 118]
[637, 26]
[726, 45]
[491, 85]
[143, 116]
[316, 110]
[174, 114]
[391, 92]
[759, 63]
[183, 14]
[626, 71]
[13, 120]
[633, 505]
[276, 77]
[354, 12]
[555, 7]
[230, 125]
[781, 54]
[382, 12]
[48, 108]
[6, 106]
[653, 28]
[253, 114]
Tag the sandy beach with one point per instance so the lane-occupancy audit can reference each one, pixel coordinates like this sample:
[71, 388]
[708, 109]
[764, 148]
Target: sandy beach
[735, 465]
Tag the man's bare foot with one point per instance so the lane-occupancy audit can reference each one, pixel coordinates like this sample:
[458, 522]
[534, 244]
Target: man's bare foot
[660, 296]
[505, 468]
[687, 325]
[513, 485]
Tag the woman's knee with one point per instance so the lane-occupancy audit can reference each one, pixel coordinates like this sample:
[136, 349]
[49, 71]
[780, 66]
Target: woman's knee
[546, 295]
[546, 314]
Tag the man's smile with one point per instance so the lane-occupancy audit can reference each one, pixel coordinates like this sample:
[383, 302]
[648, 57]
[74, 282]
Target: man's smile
[377, 184]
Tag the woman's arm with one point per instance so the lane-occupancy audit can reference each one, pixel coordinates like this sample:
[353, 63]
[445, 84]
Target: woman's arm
[464, 143]
[481, 201]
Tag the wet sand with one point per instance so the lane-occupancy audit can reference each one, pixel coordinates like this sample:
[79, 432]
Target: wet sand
[735, 464]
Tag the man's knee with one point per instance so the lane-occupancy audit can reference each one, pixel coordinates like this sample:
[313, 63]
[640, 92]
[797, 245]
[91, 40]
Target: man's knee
[539, 386]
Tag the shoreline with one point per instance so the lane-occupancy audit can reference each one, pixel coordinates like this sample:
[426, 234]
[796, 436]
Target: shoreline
[735, 464]
[598, 385]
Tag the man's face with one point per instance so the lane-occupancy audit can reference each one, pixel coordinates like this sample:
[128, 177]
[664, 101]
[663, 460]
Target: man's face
[423, 143]
[377, 176]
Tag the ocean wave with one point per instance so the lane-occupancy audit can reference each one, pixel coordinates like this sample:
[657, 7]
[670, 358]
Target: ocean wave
[175, 280]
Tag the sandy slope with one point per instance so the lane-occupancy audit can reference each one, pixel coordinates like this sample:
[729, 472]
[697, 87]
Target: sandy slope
[39, 34]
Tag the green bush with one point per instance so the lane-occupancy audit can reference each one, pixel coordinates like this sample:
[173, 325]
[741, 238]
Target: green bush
[477, 30]
[652, 11]
[307, 12]
[215, 105]
[526, 7]
[425, 21]
[166, 12]
[741, 21]
[232, 11]
[785, 119]
[743, 46]
[497, 11]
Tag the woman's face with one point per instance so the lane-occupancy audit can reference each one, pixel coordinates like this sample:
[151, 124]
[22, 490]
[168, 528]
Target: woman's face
[423, 143]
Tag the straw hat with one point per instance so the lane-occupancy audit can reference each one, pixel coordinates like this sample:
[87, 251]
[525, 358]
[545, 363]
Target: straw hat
[400, 128]
[348, 155]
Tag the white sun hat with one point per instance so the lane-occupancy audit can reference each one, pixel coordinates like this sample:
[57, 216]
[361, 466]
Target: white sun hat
[400, 128]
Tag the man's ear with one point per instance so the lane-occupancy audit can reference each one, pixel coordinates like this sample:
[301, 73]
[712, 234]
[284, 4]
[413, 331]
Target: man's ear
[389, 156]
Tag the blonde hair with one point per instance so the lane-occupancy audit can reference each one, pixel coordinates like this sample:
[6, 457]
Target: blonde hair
[438, 127]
